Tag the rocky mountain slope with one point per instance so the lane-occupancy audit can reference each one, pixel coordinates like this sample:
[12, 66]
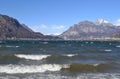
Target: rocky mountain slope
[88, 30]
[10, 28]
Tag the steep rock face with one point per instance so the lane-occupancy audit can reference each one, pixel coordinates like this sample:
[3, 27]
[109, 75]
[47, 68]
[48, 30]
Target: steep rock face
[10, 28]
[117, 35]
[87, 29]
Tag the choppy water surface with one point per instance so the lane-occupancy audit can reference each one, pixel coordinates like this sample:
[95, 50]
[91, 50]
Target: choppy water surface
[59, 60]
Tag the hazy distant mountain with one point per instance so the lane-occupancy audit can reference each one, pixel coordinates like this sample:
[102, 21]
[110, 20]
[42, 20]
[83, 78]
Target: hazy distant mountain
[10, 28]
[86, 29]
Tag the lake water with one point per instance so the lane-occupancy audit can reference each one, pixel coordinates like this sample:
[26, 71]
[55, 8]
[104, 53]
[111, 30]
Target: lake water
[59, 60]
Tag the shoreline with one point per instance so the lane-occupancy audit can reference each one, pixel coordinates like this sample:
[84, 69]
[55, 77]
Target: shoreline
[57, 40]
[86, 39]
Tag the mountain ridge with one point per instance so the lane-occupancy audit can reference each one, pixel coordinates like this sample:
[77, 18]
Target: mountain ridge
[90, 30]
[11, 29]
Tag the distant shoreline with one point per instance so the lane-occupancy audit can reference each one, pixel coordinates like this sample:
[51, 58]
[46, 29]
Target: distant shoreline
[85, 39]
[97, 39]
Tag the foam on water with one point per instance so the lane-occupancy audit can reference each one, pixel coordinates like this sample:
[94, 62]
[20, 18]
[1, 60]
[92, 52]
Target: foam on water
[99, 76]
[45, 42]
[118, 46]
[95, 64]
[32, 57]
[91, 42]
[110, 43]
[107, 50]
[12, 69]
[12, 46]
[0, 41]
[70, 55]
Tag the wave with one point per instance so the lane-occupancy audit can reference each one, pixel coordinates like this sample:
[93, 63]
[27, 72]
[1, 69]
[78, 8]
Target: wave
[70, 55]
[12, 46]
[8, 58]
[74, 67]
[1, 42]
[90, 67]
[40, 57]
[107, 50]
[59, 76]
[45, 42]
[118, 46]
[32, 57]
[13, 69]
[16, 57]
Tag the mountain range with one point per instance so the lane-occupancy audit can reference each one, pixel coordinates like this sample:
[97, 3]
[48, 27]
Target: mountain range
[10, 28]
[90, 30]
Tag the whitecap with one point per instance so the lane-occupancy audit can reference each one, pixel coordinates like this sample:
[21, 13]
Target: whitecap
[70, 55]
[82, 44]
[45, 42]
[95, 64]
[91, 42]
[32, 57]
[107, 50]
[17, 46]
[0, 41]
[110, 43]
[86, 42]
[12, 46]
[118, 46]
[12, 69]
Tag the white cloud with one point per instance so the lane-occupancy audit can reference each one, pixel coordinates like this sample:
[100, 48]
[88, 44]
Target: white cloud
[117, 22]
[49, 30]
[57, 33]
[37, 28]
[57, 27]
[43, 26]
[53, 33]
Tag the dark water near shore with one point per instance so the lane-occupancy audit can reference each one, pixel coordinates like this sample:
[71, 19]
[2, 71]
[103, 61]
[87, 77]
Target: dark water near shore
[59, 60]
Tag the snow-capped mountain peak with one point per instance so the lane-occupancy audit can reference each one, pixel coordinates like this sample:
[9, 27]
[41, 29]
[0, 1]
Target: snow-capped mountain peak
[101, 21]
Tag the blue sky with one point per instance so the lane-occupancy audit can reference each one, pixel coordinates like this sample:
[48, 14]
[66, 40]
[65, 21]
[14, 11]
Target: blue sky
[55, 16]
